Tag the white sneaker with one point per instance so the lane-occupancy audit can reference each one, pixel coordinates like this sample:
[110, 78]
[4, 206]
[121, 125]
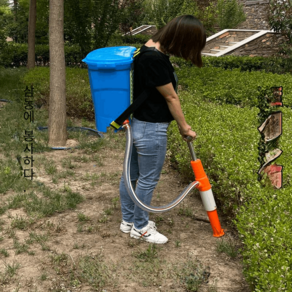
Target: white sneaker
[149, 234]
[126, 227]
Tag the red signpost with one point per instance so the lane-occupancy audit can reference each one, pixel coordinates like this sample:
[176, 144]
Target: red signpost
[274, 173]
[271, 128]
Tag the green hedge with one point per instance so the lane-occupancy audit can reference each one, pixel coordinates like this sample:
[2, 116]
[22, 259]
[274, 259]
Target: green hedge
[227, 145]
[232, 86]
[265, 228]
[244, 63]
[78, 96]
[15, 55]
[265, 225]
[219, 145]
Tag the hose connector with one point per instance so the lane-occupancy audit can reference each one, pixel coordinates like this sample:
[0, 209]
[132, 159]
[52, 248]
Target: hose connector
[200, 176]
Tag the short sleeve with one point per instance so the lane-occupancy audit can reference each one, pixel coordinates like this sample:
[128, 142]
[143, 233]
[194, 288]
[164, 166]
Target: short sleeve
[157, 74]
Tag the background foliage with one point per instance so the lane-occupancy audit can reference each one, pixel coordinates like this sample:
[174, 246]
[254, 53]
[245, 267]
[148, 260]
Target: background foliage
[132, 14]
[77, 23]
[88, 23]
[92, 24]
[230, 13]
[222, 13]
[3, 23]
[280, 20]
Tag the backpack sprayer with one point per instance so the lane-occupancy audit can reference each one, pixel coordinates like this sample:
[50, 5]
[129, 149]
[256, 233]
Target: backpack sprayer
[111, 82]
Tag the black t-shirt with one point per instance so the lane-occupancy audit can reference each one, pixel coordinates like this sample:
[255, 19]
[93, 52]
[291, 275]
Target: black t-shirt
[151, 69]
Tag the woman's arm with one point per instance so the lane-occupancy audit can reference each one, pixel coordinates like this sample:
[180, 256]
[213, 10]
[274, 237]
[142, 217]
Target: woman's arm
[174, 106]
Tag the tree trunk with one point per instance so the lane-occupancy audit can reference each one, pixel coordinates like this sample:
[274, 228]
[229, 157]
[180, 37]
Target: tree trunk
[57, 107]
[31, 35]
[15, 7]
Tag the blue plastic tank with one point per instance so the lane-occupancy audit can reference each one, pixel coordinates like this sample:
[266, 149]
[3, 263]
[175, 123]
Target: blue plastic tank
[110, 77]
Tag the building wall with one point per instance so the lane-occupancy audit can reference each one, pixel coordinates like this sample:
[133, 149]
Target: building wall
[226, 38]
[265, 46]
[256, 14]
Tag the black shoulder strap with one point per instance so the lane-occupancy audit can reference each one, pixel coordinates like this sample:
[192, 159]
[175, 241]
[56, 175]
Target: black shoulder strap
[118, 122]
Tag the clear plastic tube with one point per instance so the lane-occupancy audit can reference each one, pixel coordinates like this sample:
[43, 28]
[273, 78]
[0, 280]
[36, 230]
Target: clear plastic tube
[128, 184]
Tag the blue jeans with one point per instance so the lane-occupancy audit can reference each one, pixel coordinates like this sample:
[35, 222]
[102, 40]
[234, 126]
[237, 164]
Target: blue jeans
[148, 155]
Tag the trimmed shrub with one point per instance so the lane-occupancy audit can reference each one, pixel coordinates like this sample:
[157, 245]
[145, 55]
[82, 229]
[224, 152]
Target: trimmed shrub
[264, 223]
[15, 55]
[78, 96]
[232, 86]
[219, 146]
[227, 145]
[244, 63]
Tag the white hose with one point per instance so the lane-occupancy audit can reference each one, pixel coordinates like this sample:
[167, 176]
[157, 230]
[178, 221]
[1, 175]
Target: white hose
[128, 184]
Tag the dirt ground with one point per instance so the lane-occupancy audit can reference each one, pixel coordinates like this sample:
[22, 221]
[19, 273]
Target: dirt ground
[85, 251]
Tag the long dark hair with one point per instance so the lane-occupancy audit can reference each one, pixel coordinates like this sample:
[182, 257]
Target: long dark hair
[184, 36]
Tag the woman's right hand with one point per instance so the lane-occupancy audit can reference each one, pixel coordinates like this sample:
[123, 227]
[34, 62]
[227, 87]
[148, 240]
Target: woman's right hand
[188, 132]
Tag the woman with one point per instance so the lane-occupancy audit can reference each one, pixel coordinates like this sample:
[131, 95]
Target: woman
[184, 37]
